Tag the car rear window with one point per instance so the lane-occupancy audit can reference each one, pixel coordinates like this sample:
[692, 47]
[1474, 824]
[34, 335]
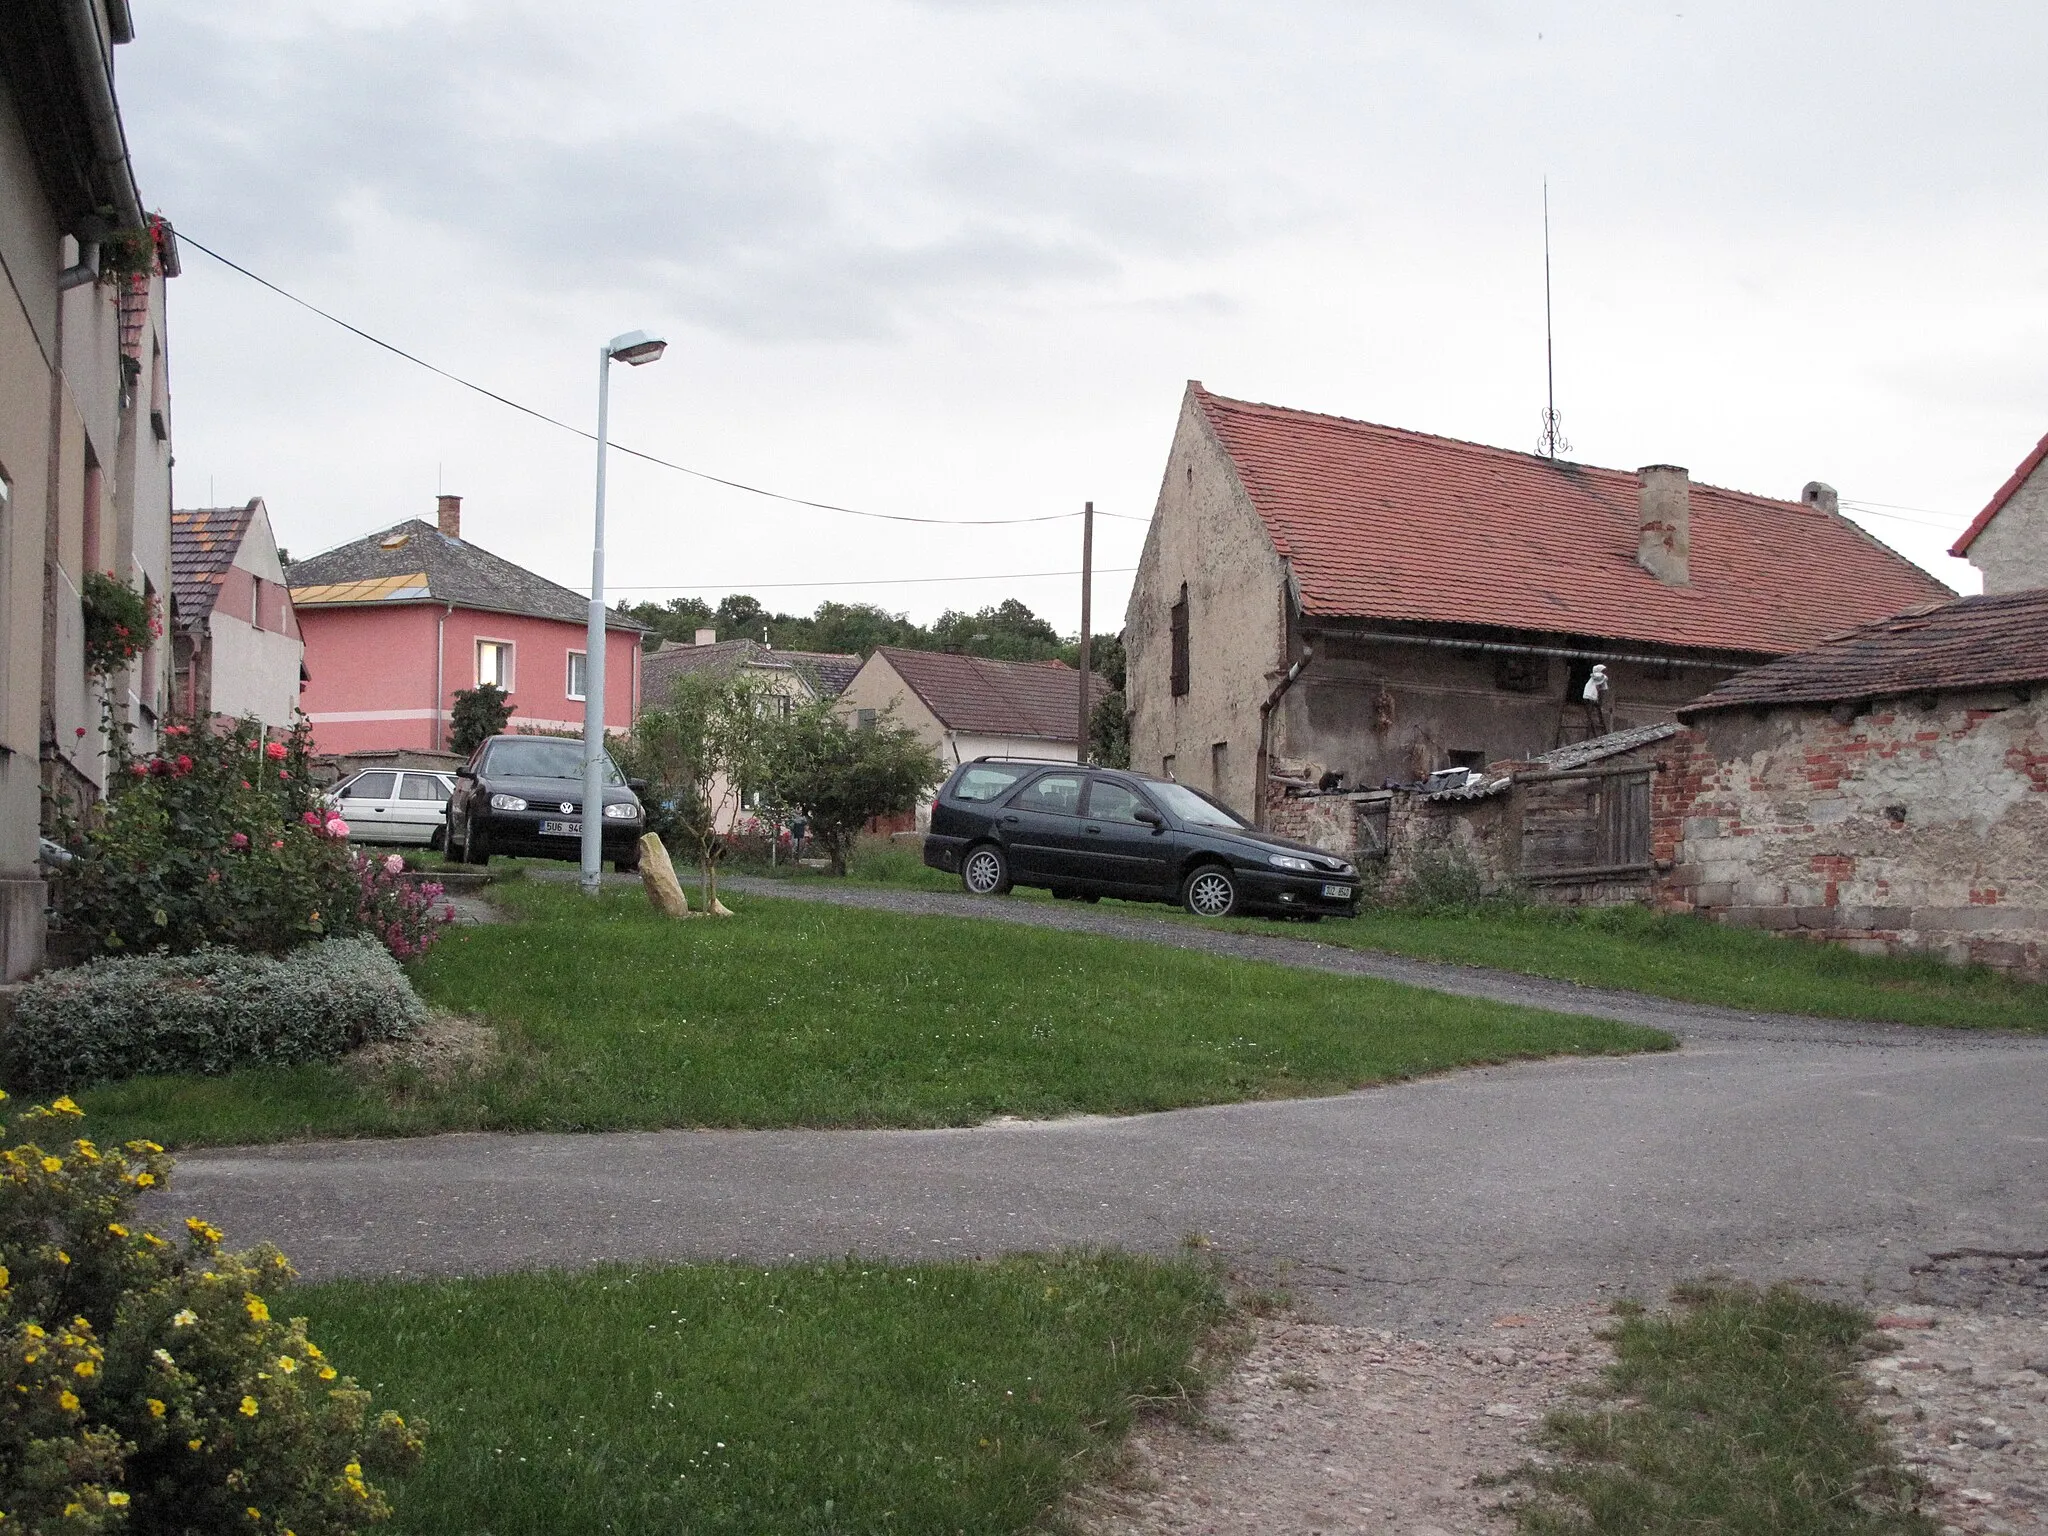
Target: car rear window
[423, 786]
[986, 781]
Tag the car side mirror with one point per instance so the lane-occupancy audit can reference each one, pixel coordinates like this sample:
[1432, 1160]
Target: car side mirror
[638, 786]
[465, 773]
[1149, 817]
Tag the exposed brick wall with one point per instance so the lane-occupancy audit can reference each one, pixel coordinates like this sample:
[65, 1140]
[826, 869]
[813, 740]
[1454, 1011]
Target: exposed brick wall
[1917, 825]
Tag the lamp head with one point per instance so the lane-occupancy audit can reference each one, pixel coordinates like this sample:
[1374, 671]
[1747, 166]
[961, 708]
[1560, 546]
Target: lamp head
[635, 348]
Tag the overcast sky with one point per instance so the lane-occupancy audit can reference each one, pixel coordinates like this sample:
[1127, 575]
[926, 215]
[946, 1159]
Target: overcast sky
[958, 258]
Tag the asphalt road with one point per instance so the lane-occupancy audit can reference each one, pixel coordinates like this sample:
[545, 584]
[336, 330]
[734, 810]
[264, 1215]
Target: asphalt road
[1765, 1147]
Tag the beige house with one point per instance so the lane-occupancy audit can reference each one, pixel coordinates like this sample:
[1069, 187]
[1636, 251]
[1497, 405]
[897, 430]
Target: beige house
[2008, 541]
[236, 649]
[964, 707]
[84, 426]
[793, 678]
[1345, 605]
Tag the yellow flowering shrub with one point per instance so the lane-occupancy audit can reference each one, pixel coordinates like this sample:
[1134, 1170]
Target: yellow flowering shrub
[145, 1386]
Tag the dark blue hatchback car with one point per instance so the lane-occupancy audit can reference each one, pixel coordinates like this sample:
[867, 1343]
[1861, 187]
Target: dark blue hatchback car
[1091, 832]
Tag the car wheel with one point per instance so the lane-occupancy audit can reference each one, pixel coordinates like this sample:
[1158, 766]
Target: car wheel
[1209, 891]
[985, 872]
[439, 840]
[475, 850]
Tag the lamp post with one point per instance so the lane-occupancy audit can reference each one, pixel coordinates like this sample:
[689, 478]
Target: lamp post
[633, 348]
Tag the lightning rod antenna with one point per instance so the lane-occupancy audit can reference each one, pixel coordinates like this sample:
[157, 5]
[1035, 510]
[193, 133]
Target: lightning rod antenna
[1553, 441]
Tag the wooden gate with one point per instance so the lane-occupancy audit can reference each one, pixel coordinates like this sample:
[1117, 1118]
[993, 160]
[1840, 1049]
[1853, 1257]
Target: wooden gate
[1585, 823]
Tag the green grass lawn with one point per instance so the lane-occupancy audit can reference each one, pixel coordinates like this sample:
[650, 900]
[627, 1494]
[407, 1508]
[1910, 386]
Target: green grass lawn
[799, 1013]
[724, 1400]
[1739, 1414]
[1626, 948]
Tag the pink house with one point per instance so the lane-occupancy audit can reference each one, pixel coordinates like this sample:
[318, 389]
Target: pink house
[397, 622]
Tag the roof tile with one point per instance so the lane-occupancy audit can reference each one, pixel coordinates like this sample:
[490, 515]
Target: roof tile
[1383, 523]
[204, 542]
[1028, 699]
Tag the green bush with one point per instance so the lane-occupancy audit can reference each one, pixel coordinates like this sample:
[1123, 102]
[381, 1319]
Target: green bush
[221, 838]
[1440, 880]
[479, 714]
[144, 1385]
[209, 1012]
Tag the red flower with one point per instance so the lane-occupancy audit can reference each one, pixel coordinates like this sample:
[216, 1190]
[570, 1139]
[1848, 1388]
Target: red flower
[240, 840]
[184, 763]
[80, 731]
[312, 818]
[275, 751]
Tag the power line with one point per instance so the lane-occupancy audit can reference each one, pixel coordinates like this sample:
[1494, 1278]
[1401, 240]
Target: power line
[885, 581]
[491, 394]
[1874, 509]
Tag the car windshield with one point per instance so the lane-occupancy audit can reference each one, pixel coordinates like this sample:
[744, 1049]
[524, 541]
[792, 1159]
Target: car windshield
[540, 757]
[1194, 809]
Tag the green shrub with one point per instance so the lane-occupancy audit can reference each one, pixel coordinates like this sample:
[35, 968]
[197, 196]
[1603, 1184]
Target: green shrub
[211, 1011]
[221, 838]
[1438, 880]
[479, 714]
[144, 1385]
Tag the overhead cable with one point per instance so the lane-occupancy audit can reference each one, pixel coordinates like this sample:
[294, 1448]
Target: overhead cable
[185, 238]
[883, 581]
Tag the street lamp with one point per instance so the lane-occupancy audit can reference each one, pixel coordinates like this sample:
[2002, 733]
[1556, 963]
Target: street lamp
[634, 348]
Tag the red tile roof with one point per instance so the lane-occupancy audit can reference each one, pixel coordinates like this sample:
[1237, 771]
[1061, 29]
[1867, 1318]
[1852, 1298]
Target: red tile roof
[1968, 644]
[1388, 524]
[2004, 494]
[204, 542]
[1030, 699]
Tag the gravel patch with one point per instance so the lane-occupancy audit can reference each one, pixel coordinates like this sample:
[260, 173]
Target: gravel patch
[1966, 1393]
[1324, 1428]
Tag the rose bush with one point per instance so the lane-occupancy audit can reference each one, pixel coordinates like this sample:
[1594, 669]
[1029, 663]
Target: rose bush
[145, 1386]
[221, 838]
[408, 916]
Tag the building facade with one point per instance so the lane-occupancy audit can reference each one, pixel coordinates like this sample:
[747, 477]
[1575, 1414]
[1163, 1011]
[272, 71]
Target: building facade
[964, 707]
[1359, 605]
[396, 624]
[85, 456]
[235, 645]
[2008, 540]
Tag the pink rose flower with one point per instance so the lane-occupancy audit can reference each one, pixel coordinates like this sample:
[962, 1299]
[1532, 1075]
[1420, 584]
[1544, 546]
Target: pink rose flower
[311, 818]
[184, 763]
[393, 864]
[240, 840]
[275, 751]
[337, 828]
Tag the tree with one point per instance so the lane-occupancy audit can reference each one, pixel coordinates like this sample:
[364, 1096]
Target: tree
[841, 776]
[479, 714]
[700, 752]
[676, 621]
[1010, 631]
[1109, 732]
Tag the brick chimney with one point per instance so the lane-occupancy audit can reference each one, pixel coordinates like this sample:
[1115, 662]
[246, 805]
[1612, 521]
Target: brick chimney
[451, 516]
[707, 637]
[1664, 526]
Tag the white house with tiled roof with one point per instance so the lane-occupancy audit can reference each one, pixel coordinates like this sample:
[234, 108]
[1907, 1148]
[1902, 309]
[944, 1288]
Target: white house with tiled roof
[235, 643]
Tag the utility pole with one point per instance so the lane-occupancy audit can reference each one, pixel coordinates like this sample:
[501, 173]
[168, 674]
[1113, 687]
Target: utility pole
[1087, 573]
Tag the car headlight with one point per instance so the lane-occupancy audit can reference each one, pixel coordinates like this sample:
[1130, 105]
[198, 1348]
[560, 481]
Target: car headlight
[622, 812]
[507, 803]
[1288, 861]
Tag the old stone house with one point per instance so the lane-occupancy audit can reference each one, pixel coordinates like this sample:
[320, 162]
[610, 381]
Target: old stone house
[1887, 789]
[1362, 605]
[2008, 540]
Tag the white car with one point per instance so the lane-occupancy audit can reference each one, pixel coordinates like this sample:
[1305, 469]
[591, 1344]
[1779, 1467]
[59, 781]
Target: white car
[390, 805]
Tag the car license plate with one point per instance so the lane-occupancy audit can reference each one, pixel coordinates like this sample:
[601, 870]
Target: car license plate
[1336, 893]
[561, 829]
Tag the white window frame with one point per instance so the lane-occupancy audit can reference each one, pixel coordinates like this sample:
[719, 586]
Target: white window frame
[569, 683]
[511, 654]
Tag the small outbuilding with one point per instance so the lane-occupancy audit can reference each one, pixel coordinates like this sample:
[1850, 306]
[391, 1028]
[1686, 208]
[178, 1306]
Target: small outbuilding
[1887, 789]
[235, 645]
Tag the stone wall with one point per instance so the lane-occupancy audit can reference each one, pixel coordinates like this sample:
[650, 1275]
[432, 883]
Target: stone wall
[1910, 826]
[2012, 551]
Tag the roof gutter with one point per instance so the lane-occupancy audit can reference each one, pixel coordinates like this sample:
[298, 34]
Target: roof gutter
[103, 113]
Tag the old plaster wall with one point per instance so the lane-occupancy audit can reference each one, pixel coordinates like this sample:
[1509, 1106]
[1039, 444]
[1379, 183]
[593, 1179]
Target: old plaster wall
[1206, 534]
[1912, 826]
[1384, 713]
[2012, 551]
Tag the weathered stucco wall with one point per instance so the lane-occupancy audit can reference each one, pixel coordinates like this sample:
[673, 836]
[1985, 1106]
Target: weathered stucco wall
[1205, 533]
[1382, 713]
[2012, 551]
[1912, 826]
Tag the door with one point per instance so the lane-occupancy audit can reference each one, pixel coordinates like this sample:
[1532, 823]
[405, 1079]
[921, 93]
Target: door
[421, 809]
[1042, 827]
[368, 804]
[1119, 849]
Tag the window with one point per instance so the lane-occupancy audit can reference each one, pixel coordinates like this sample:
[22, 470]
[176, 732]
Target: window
[1166, 766]
[1467, 758]
[579, 664]
[539, 757]
[1058, 794]
[1109, 801]
[1521, 674]
[424, 786]
[494, 663]
[985, 781]
[370, 786]
[90, 524]
[866, 719]
[1196, 808]
[1179, 627]
[1219, 765]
